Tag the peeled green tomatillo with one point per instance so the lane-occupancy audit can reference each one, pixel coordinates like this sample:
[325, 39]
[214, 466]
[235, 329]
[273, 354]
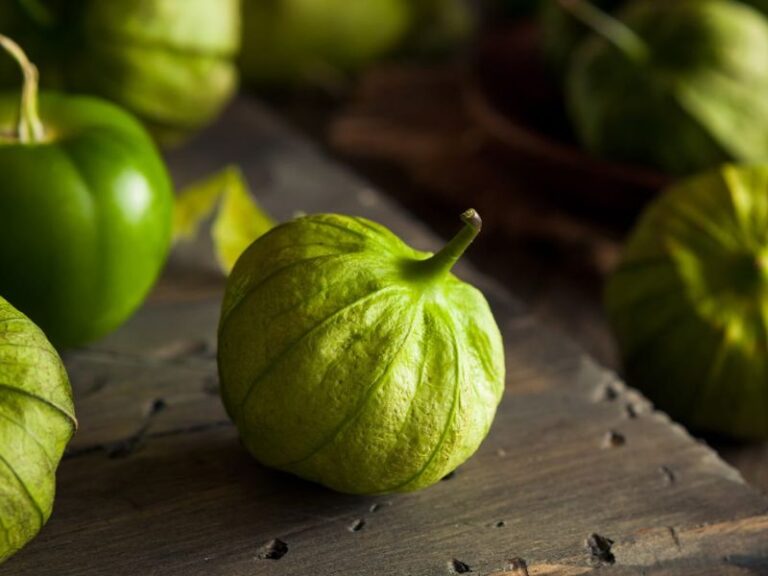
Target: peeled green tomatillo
[689, 302]
[678, 86]
[85, 211]
[352, 360]
[37, 420]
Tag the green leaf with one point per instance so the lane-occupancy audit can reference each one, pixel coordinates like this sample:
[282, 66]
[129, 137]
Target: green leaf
[239, 220]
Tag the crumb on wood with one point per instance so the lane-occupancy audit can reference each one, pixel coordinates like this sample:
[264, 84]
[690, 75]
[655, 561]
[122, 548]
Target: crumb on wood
[376, 506]
[668, 475]
[607, 393]
[157, 406]
[458, 567]
[518, 566]
[631, 411]
[613, 439]
[599, 548]
[272, 550]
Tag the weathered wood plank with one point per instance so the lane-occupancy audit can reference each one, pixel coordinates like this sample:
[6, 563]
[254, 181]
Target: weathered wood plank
[157, 484]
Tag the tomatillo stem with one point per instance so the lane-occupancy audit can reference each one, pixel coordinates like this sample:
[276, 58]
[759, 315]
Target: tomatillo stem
[612, 29]
[444, 260]
[30, 127]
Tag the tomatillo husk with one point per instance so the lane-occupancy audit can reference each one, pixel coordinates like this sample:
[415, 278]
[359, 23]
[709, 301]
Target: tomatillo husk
[689, 302]
[352, 360]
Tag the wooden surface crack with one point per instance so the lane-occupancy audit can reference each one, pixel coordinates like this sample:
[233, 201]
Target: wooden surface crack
[128, 446]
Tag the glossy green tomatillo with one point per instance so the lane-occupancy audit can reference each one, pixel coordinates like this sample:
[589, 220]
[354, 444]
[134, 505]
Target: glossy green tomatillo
[350, 359]
[85, 210]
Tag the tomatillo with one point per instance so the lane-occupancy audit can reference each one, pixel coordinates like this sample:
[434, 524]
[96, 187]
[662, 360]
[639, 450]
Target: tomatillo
[169, 62]
[675, 86]
[85, 210]
[348, 358]
[37, 420]
[316, 41]
[689, 302]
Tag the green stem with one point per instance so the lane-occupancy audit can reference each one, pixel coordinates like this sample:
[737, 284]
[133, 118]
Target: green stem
[443, 261]
[30, 129]
[613, 30]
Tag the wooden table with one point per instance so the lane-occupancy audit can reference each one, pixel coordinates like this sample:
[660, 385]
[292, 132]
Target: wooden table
[579, 474]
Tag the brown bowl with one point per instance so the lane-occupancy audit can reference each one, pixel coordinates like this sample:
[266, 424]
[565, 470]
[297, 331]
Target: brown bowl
[518, 105]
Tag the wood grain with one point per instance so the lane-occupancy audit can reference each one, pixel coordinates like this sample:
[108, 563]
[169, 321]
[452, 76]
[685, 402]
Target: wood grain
[156, 482]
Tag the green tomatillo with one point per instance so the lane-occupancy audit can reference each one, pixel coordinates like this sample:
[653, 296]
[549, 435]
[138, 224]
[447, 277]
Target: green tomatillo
[317, 41]
[171, 62]
[677, 86]
[689, 302]
[37, 420]
[350, 359]
[561, 32]
[85, 210]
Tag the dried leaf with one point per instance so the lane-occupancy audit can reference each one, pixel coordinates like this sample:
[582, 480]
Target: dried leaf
[239, 220]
